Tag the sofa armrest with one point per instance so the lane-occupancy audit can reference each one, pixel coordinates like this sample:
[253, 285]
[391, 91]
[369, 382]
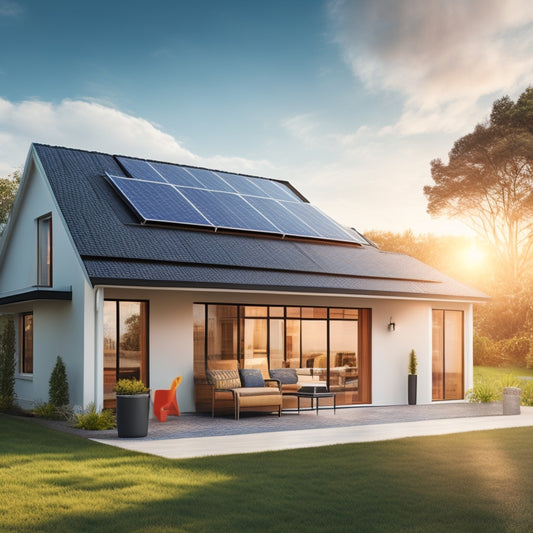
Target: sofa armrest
[213, 394]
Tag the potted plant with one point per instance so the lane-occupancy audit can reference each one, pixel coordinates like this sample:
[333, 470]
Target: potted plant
[412, 378]
[133, 408]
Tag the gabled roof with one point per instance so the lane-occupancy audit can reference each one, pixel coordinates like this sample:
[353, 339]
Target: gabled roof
[117, 250]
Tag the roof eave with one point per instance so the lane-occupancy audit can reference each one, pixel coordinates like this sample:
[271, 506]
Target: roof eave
[236, 287]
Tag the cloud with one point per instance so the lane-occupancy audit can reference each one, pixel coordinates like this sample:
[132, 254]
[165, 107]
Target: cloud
[10, 9]
[92, 126]
[441, 55]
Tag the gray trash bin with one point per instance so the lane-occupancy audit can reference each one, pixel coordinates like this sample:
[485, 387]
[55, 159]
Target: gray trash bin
[511, 401]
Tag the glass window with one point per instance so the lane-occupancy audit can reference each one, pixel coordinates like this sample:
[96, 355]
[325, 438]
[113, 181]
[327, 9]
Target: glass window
[277, 343]
[44, 251]
[199, 340]
[447, 355]
[314, 312]
[293, 312]
[276, 312]
[255, 335]
[125, 344]
[255, 310]
[222, 336]
[335, 353]
[26, 352]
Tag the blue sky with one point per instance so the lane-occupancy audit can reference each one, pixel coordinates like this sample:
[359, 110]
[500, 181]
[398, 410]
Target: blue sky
[348, 100]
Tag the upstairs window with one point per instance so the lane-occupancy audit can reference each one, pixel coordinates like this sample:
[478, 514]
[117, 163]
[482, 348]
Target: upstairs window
[44, 251]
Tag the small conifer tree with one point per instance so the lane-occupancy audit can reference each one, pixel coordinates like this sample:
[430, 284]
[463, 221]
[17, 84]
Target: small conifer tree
[7, 365]
[412, 363]
[58, 385]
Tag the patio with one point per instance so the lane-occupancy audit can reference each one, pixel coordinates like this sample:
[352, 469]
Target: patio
[195, 435]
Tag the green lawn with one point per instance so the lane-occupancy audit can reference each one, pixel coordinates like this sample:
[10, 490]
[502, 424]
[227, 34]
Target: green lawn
[495, 373]
[480, 481]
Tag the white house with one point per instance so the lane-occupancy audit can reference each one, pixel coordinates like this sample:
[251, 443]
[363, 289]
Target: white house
[128, 267]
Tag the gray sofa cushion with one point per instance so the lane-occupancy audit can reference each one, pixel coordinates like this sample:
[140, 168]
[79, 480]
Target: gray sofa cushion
[251, 377]
[287, 376]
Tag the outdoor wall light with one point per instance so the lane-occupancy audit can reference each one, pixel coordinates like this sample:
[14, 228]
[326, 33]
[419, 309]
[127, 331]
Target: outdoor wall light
[392, 325]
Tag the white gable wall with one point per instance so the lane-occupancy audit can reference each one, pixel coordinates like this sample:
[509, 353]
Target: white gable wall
[58, 325]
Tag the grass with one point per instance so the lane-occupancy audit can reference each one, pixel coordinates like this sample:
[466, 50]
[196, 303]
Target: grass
[489, 383]
[496, 373]
[480, 481]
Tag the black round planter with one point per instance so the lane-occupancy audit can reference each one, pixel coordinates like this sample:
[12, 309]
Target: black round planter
[411, 388]
[132, 415]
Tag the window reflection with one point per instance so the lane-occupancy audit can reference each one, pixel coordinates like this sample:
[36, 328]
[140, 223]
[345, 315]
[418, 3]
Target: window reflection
[324, 351]
[125, 344]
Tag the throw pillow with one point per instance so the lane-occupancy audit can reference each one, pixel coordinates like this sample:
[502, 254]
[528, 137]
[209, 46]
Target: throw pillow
[287, 376]
[224, 379]
[251, 377]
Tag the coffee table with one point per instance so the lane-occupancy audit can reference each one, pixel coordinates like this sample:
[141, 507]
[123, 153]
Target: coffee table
[315, 393]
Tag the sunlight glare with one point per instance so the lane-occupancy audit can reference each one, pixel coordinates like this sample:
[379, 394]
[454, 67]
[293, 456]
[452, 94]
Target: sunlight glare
[474, 256]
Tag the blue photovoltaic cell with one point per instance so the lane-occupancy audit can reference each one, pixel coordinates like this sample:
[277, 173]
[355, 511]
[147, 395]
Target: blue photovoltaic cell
[242, 184]
[140, 169]
[210, 180]
[176, 175]
[227, 210]
[323, 225]
[158, 202]
[287, 222]
[277, 190]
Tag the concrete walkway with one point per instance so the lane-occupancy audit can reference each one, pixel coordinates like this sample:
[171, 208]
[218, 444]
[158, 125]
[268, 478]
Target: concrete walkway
[199, 435]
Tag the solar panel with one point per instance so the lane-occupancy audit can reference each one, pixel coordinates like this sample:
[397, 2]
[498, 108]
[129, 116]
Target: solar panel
[162, 192]
[228, 210]
[140, 169]
[285, 220]
[158, 202]
[176, 175]
[323, 225]
[210, 180]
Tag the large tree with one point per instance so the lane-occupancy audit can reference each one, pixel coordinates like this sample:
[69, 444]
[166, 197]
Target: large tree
[8, 191]
[488, 183]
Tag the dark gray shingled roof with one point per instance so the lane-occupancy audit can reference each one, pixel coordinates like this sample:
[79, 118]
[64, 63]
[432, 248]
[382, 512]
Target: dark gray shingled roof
[116, 249]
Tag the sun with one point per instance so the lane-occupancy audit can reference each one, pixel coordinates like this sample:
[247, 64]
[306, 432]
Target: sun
[474, 255]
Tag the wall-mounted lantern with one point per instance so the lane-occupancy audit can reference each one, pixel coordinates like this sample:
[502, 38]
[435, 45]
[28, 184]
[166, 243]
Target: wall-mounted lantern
[392, 325]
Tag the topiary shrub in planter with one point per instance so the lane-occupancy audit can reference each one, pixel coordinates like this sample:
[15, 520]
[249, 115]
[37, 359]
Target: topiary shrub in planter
[412, 378]
[133, 408]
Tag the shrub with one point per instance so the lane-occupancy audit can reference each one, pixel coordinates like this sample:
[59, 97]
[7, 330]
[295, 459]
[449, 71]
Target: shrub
[130, 386]
[508, 380]
[7, 366]
[412, 363]
[52, 412]
[526, 397]
[93, 420]
[58, 384]
[485, 351]
[483, 392]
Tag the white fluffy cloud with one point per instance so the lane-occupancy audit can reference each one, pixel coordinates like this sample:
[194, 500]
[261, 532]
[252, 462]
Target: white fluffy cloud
[441, 55]
[92, 126]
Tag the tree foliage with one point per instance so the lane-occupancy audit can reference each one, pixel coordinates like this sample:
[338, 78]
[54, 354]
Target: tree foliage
[488, 183]
[8, 190]
[503, 326]
[58, 385]
[7, 365]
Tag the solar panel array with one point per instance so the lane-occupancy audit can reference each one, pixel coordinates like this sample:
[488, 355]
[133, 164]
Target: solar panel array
[166, 193]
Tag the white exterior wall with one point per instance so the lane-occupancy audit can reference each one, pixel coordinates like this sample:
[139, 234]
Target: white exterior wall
[59, 327]
[171, 337]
